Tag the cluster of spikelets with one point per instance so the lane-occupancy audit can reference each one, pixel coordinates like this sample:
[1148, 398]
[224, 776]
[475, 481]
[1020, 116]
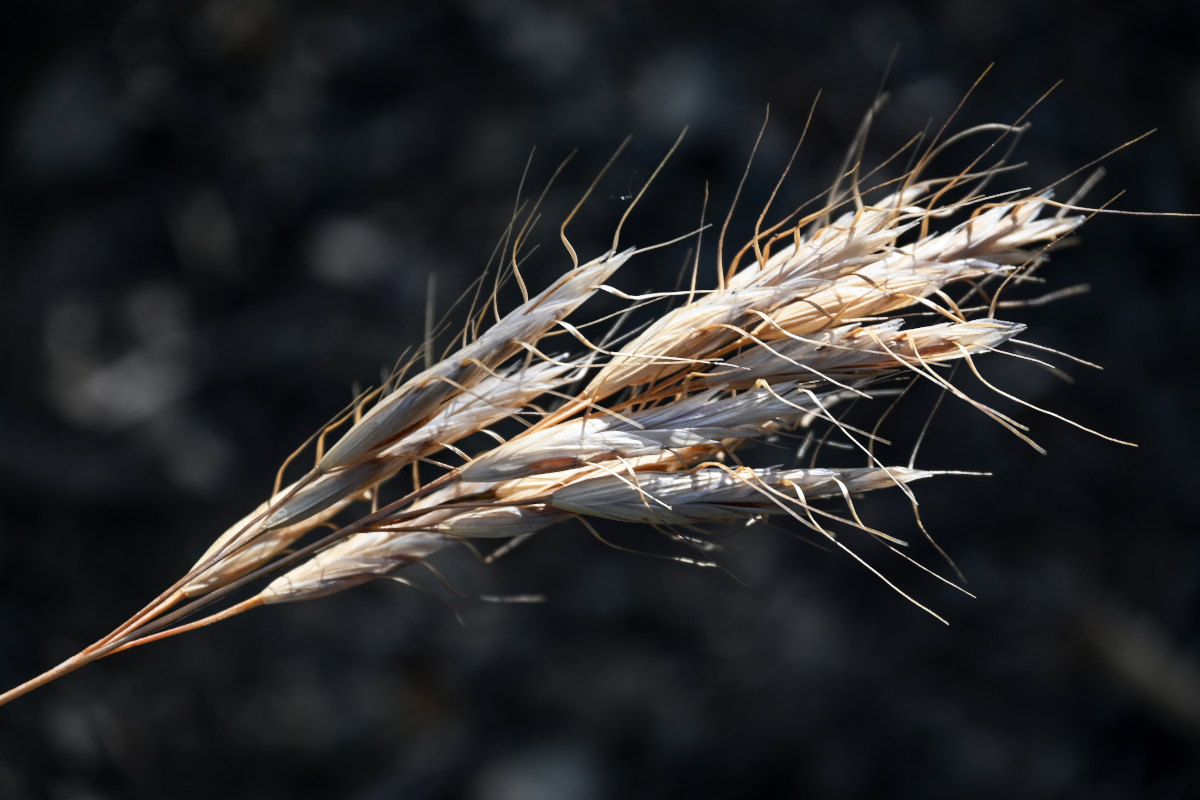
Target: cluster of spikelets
[645, 426]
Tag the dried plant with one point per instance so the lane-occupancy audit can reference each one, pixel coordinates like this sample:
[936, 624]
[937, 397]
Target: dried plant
[848, 301]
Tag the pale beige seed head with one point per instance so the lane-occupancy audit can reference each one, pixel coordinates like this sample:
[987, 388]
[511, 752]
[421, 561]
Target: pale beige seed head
[413, 403]
[714, 494]
[685, 431]
[356, 559]
[492, 399]
[856, 352]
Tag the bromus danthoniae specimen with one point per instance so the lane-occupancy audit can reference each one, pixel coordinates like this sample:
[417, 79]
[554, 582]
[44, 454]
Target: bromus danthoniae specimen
[882, 282]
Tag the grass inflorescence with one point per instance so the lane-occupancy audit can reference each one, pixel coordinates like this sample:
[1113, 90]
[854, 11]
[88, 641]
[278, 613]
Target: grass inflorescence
[536, 416]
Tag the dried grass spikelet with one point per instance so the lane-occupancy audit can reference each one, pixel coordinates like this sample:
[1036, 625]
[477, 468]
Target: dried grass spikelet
[650, 426]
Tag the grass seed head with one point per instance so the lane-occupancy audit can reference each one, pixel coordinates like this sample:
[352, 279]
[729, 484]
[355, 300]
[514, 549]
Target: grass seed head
[848, 302]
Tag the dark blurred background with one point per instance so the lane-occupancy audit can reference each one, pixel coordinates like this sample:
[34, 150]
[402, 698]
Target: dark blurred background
[219, 217]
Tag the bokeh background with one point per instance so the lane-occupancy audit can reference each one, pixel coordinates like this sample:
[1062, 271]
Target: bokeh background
[219, 217]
